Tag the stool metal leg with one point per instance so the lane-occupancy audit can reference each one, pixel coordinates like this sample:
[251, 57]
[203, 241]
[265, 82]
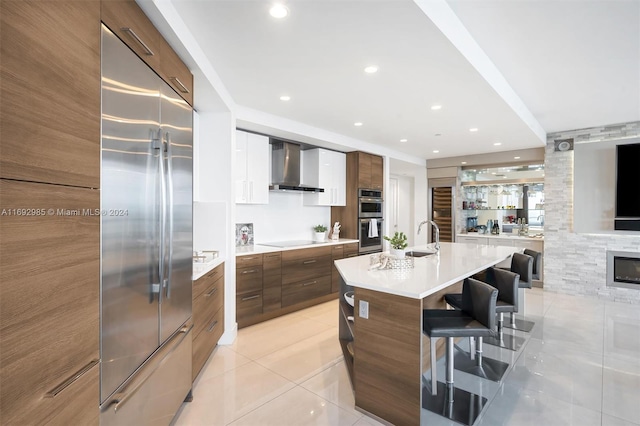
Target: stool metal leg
[503, 340]
[434, 369]
[449, 377]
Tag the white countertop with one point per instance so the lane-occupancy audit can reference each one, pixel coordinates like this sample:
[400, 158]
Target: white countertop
[453, 263]
[257, 249]
[201, 269]
[500, 236]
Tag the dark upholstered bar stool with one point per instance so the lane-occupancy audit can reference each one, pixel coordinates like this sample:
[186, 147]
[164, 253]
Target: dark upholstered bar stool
[522, 264]
[477, 318]
[506, 283]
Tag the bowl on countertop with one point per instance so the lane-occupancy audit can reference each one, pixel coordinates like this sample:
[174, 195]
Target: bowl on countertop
[348, 296]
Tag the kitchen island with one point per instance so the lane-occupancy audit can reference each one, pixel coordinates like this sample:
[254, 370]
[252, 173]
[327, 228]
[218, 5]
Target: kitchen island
[384, 348]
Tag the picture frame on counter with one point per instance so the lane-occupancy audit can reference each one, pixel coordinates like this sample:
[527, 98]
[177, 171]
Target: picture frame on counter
[244, 234]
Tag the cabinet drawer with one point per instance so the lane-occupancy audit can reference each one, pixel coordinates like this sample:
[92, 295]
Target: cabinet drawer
[306, 269]
[126, 20]
[272, 290]
[304, 254]
[302, 291]
[337, 251]
[248, 279]
[248, 305]
[175, 72]
[350, 248]
[250, 260]
[272, 264]
[204, 342]
[204, 282]
[49, 298]
[207, 304]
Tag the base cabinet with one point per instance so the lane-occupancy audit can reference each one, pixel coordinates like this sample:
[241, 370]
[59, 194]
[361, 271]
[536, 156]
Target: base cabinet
[208, 316]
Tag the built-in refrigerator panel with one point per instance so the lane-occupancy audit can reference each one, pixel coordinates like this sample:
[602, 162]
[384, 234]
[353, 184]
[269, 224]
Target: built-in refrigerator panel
[131, 205]
[177, 138]
[442, 201]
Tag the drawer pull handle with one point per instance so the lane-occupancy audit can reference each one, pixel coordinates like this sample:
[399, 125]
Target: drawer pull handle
[182, 87]
[309, 283]
[307, 262]
[250, 297]
[244, 259]
[211, 292]
[338, 247]
[250, 271]
[138, 39]
[212, 326]
[75, 376]
[272, 256]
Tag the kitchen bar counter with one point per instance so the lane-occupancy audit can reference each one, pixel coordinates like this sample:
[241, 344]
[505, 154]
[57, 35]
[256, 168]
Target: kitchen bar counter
[451, 264]
[257, 248]
[385, 350]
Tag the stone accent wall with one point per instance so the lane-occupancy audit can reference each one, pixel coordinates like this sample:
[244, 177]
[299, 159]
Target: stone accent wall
[577, 263]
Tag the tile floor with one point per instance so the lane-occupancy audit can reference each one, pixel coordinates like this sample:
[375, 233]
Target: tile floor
[581, 366]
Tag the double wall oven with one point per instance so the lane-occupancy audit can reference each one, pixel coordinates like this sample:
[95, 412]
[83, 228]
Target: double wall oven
[370, 218]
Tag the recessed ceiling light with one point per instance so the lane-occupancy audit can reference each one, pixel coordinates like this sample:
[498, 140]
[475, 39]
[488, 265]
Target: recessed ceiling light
[357, 124]
[285, 98]
[371, 69]
[473, 129]
[497, 144]
[463, 162]
[493, 173]
[436, 107]
[438, 134]
[278, 11]
[504, 177]
[516, 158]
[435, 151]
[403, 140]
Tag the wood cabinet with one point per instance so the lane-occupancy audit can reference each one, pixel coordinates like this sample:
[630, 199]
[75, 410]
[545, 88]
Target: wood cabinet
[340, 252]
[208, 316]
[131, 25]
[248, 286]
[370, 171]
[50, 101]
[328, 170]
[306, 274]
[272, 281]
[49, 304]
[252, 168]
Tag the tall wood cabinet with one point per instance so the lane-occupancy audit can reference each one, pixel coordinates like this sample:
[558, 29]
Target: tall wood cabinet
[49, 193]
[49, 244]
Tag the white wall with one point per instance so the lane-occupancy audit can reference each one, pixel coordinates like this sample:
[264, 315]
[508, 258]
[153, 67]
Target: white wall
[402, 217]
[284, 218]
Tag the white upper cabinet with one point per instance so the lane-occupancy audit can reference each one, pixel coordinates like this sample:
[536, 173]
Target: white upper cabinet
[252, 168]
[328, 170]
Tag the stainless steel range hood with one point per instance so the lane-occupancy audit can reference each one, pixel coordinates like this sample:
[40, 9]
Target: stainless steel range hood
[285, 167]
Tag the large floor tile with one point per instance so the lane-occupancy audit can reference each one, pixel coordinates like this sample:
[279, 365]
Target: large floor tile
[577, 333]
[306, 358]
[621, 388]
[622, 337]
[608, 420]
[227, 397]
[524, 407]
[334, 385]
[326, 313]
[571, 376]
[222, 359]
[259, 340]
[298, 407]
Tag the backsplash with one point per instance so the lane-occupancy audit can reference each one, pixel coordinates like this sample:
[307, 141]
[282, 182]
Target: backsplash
[576, 263]
[284, 218]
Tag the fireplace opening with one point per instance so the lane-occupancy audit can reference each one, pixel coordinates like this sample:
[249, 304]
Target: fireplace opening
[623, 269]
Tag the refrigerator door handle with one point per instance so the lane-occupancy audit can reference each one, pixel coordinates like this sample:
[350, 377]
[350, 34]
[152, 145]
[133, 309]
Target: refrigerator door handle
[163, 213]
[170, 213]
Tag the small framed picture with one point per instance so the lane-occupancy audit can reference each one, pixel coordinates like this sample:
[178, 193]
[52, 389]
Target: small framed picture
[244, 234]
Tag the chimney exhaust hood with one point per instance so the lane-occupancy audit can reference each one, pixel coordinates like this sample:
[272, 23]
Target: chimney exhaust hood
[285, 167]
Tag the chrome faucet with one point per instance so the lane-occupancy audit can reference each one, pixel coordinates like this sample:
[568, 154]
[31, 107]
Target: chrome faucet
[437, 231]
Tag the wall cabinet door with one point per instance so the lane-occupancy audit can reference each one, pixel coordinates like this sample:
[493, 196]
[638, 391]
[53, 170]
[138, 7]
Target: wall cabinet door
[50, 102]
[325, 169]
[377, 175]
[49, 303]
[364, 170]
[252, 168]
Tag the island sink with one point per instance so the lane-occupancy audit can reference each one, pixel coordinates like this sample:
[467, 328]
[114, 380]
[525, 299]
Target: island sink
[414, 253]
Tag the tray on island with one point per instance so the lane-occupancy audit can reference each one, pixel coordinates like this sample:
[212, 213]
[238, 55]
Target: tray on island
[386, 261]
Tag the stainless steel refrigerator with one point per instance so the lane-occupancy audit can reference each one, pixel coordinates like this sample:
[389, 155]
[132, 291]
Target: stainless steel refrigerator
[146, 247]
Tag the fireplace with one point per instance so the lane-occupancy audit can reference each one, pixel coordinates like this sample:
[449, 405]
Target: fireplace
[623, 269]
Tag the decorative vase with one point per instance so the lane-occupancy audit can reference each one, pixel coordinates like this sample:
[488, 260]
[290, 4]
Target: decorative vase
[319, 236]
[398, 253]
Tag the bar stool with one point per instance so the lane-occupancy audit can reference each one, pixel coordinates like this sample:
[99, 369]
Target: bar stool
[477, 318]
[507, 284]
[522, 264]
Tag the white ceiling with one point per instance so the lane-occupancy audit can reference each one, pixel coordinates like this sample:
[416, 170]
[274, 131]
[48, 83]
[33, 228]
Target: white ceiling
[568, 75]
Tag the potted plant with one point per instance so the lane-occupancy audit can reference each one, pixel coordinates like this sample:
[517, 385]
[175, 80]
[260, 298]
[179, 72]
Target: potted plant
[319, 231]
[398, 244]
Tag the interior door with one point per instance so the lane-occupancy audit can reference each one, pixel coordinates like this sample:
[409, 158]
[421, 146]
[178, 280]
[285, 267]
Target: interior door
[176, 130]
[130, 204]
